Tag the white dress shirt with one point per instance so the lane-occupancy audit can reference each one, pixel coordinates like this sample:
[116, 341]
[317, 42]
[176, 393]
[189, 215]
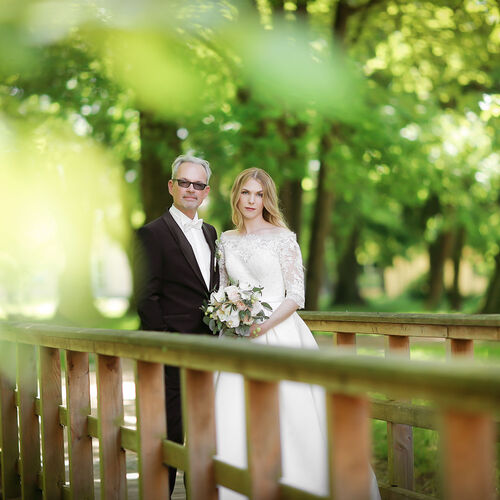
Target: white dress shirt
[196, 239]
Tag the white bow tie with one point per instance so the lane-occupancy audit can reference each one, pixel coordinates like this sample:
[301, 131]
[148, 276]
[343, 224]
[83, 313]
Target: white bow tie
[192, 224]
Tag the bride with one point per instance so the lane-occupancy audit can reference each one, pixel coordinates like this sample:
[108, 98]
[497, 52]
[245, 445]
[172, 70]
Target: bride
[261, 251]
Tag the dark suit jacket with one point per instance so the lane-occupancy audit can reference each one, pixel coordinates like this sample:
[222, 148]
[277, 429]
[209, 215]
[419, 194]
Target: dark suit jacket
[169, 285]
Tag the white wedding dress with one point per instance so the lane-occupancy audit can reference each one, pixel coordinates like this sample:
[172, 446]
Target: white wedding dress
[272, 259]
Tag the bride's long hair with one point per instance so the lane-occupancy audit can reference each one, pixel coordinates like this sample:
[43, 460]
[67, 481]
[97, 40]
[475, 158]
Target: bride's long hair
[271, 211]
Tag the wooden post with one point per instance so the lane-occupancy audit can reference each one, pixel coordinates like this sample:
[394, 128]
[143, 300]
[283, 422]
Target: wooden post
[399, 436]
[459, 348]
[110, 418]
[199, 426]
[29, 426]
[347, 340]
[469, 448]
[81, 474]
[263, 439]
[151, 430]
[349, 447]
[53, 476]
[9, 457]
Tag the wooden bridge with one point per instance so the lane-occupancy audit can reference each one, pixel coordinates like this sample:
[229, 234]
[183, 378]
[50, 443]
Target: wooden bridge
[46, 414]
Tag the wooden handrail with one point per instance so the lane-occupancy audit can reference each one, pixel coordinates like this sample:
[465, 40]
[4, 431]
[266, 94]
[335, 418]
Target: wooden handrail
[445, 326]
[464, 384]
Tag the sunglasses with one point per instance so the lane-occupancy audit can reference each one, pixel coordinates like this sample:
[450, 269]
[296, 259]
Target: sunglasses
[199, 186]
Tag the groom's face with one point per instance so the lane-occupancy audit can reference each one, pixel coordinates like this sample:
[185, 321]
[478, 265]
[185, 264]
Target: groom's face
[188, 199]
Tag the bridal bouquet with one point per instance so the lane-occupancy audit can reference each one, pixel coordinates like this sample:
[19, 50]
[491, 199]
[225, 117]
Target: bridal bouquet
[233, 309]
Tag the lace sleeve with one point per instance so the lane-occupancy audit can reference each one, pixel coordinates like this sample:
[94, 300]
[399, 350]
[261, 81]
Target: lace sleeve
[292, 269]
[223, 277]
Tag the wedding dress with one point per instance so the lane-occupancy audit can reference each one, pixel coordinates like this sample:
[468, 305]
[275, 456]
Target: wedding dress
[272, 259]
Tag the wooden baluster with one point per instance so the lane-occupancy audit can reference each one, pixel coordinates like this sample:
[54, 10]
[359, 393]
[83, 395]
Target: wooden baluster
[29, 425]
[199, 426]
[110, 414]
[346, 340]
[399, 436]
[459, 348]
[151, 430]
[469, 448]
[81, 474]
[349, 444]
[11, 486]
[53, 477]
[263, 439]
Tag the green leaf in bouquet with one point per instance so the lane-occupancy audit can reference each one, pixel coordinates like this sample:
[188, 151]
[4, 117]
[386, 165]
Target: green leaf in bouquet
[212, 325]
[265, 305]
[243, 330]
[207, 321]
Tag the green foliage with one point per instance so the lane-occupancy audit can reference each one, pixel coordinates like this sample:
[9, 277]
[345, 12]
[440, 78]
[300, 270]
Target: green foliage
[407, 100]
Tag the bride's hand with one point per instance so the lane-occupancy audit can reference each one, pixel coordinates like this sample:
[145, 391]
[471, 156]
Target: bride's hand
[257, 329]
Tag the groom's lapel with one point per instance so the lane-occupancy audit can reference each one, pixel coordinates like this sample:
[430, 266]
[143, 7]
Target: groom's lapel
[211, 244]
[184, 245]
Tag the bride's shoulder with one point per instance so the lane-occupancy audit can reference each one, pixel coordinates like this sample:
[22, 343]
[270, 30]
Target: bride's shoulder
[284, 232]
[232, 233]
[278, 233]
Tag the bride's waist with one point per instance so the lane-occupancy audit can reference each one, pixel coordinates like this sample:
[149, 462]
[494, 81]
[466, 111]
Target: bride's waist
[273, 300]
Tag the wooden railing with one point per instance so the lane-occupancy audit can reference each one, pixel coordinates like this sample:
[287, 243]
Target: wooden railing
[463, 396]
[458, 331]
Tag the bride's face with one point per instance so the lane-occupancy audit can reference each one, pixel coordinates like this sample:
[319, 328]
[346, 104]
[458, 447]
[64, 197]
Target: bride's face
[251, 200]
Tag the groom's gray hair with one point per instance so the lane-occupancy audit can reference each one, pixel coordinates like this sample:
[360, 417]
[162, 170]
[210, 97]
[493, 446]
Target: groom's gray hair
[190, 159]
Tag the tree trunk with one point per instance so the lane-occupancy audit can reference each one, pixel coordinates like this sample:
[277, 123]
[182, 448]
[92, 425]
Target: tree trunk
[347, 290]
[455, 296]
[492, 300]
[76, 298]
[291, 202]
[439, 251]
[320, 225]
[159, 147]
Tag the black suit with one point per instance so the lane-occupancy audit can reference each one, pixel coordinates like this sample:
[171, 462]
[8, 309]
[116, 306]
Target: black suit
[170, 290]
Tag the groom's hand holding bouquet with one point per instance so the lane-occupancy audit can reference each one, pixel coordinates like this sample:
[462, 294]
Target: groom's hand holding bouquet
[234, 309]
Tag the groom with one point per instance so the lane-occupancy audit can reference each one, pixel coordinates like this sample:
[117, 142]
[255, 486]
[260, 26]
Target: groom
[176, 270]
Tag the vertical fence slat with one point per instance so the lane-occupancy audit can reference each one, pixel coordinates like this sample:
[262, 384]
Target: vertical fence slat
[263, 438]
[11, 487]
[459, 347]
[469, 446]
[110, 413]
[81, 474]
[399, 436]
[29, 426]
[350, 447]
[199, 425]
[151, 430]
[52, 431]
[346, 339]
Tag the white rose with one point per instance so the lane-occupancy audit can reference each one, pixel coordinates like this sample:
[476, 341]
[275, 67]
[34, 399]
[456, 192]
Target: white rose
[217, 297]
[221, 314]
[234, 320]
[232, 292]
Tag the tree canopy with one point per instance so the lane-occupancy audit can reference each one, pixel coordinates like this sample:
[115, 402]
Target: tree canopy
[378, 119]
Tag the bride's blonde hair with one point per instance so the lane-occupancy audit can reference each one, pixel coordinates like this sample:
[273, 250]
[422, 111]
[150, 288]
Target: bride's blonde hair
[271, 212]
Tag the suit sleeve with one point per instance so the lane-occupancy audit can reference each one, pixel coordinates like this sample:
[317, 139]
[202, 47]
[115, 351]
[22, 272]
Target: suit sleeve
[148, 267]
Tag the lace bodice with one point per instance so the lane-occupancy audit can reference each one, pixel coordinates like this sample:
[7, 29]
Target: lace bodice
[271, 259]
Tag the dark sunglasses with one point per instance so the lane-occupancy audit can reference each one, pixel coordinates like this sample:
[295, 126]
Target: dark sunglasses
[199, 186]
